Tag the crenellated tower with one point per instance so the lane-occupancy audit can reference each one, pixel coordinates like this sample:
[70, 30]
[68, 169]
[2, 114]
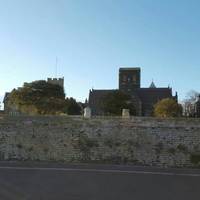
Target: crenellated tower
[56, 81]
[129, 79]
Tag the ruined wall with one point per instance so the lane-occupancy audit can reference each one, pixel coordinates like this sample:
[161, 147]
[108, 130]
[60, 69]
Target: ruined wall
[146, 141]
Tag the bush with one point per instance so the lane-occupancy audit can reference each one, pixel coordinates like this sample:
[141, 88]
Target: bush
[167, 108]
[195, 158]
[182, 148]
[172, 151]
[72, 107]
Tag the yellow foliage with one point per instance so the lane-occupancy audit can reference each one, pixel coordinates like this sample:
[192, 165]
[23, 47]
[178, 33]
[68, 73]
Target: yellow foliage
[167, 108]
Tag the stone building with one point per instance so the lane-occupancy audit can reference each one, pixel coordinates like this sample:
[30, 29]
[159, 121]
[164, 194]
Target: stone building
[197, 107]
[144, 99]
[192, 108]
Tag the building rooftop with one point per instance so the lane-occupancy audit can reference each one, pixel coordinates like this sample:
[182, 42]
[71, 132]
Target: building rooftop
[129, 68]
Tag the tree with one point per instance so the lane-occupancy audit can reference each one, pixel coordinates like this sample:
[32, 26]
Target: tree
[167, 108]
[38, 97]
[113, 103]
[72, 107]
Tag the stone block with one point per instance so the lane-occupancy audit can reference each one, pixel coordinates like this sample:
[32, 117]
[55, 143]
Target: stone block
[87, 113]
[126, 113]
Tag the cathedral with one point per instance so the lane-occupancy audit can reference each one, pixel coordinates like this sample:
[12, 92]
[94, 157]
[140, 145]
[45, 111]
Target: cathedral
[143, 99]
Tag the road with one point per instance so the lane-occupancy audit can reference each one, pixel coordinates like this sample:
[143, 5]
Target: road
[47, 181]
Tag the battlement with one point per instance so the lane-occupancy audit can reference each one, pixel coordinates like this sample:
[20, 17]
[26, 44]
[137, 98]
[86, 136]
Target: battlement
[129, 69]
[56, 81]
[26, 84]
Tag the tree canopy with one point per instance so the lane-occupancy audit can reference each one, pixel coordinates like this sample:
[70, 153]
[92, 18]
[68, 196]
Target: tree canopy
[41, 97]
[113, 103]
[167, 108]
[72, 107]
[38, 97]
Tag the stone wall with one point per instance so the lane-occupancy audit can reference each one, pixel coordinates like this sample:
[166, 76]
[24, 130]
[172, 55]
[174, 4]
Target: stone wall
[141, 141]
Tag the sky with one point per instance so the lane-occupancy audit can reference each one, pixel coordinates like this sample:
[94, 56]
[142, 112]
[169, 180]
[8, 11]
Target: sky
[93, 38]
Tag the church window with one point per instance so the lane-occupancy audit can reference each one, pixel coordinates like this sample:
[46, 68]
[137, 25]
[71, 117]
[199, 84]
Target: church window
[134, 79]
[124, 78]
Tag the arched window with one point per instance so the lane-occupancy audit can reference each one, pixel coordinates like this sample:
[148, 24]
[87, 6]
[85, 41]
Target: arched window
[134, 78]
[124, 78]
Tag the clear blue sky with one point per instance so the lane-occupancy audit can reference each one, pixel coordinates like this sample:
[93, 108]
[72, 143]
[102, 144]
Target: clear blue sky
[93, 38]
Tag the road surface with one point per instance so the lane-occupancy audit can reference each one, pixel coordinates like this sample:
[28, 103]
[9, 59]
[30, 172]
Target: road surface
[39, 181]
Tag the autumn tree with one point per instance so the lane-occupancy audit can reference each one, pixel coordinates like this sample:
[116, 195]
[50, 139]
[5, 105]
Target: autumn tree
[167, 108]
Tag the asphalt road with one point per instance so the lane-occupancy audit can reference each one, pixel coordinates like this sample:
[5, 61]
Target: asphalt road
[36, 181]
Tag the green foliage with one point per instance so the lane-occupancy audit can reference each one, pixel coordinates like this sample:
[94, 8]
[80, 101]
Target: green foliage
[114, 102]
[38, 97]
[183, 148]
[72, 107]
[19, 145]
[195, 158]
[30, 148]
[112, 143]
[172, 151]
[159, 147]
[109, 142]
[85, 144]
[167, 108]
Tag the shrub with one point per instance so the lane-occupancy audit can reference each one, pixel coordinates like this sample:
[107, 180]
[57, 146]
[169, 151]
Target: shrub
[167, 108]
[19, 145]
[159, 147]
[172, 150]
[182, 147]
[195, 158]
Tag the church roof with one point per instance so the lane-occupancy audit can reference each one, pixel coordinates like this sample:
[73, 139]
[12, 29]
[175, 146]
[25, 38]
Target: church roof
[153, 94]
[98, 93]
[152, 85]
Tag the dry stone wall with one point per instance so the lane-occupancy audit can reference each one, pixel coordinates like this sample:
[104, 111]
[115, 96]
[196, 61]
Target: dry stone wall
[141, 141]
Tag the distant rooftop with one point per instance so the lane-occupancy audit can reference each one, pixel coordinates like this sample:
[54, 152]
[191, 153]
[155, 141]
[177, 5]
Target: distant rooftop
[129, 68]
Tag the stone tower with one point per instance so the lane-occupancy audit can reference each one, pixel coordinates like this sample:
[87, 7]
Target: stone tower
[129, 79]
[56, 81]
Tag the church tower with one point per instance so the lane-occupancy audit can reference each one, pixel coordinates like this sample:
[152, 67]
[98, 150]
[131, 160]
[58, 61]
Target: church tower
[56, 81]
[129, 79]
